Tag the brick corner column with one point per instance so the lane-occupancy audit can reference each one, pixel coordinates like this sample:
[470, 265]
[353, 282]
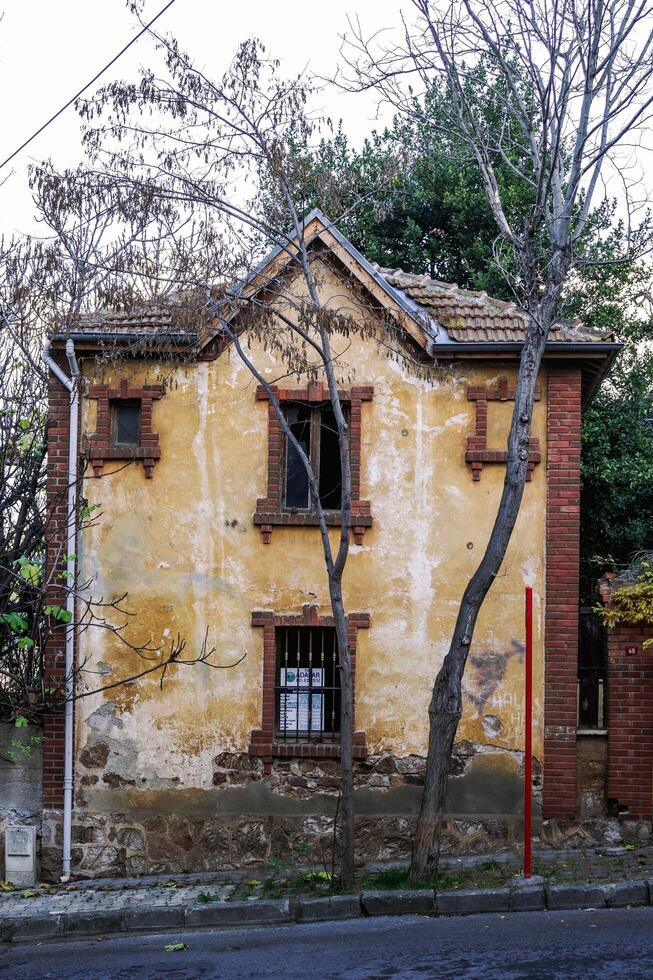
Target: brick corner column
[58, 432]
[630, 720]
[562, 591]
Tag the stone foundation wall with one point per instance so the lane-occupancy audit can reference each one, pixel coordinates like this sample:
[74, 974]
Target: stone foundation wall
[248, 818]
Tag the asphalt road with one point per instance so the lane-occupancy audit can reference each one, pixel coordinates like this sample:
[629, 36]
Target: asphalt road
[606, 944]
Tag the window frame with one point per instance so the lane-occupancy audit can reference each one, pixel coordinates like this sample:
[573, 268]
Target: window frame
[116, 404]
[265, 742]
[315, 451]
[271, 510]
[102, 444]
[328, 694]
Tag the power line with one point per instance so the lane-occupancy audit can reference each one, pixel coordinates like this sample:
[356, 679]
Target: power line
[88, 85]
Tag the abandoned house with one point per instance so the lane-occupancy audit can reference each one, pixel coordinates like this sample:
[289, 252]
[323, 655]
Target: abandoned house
[204, 521]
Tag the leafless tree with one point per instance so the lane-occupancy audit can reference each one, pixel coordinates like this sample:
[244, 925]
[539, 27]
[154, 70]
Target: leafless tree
[572, 90]
[208, 145]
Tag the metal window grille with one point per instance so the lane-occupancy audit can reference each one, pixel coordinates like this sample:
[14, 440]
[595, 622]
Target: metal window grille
[591, 671]
[307, 684]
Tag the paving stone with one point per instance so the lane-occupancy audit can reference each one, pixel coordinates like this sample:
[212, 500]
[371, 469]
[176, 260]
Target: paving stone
[623, 893]
[527, 898]
[400, 902]
[239, 913]
[473, 900]
[575, 897]
[334, 907]
[157, 917]
[91, 923]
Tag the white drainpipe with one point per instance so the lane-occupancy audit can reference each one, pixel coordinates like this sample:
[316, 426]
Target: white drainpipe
[71, 525]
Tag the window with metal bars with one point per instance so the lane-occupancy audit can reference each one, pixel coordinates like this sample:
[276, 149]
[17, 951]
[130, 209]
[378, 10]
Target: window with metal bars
[316, 430]
[307, 684]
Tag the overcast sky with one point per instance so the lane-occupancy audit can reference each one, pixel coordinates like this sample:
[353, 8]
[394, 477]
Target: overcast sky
[50, 48]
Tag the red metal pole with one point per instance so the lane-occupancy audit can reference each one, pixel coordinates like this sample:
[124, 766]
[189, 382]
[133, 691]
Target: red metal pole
[528, 740]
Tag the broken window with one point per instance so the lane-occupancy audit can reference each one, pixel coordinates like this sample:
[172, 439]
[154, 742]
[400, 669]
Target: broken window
[307, 684]
[126, 417]
[316, 431]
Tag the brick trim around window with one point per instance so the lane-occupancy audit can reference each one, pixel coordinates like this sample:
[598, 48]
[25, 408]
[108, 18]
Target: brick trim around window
[102, 448]
[263, 743]
[562, 591]
[477, 452]
[269, 510]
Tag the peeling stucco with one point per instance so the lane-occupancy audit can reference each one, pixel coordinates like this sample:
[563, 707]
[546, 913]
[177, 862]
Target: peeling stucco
[184, 547]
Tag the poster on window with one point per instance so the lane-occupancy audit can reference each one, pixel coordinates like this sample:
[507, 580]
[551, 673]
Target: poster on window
[294, 705]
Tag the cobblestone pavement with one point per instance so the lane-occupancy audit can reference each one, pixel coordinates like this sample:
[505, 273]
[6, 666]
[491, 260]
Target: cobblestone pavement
[46, 901]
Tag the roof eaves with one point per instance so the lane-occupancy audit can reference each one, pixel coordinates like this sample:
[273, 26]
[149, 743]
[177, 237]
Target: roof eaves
[104, 336]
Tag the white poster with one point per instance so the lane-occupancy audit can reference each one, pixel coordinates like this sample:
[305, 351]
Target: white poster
[293, 706]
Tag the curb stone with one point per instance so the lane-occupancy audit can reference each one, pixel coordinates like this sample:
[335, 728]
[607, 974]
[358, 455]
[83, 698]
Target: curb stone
[323, 909]
[527, 898]
[153, 918]
[473, 900]
[263, 912]
[575, 897]
[623, 893]
[91, 923]
[30, 928]
[400, 902]
[524, 897]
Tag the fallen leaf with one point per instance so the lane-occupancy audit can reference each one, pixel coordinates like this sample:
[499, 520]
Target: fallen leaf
[29, 894]
[175, 947]
[6, 886]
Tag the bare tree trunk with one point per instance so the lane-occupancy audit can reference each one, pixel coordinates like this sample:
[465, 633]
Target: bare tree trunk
[446, 702]
[346, 736]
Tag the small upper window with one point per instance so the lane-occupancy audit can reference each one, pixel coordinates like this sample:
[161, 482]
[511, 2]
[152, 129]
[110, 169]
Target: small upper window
[126, 422]
[315, 428]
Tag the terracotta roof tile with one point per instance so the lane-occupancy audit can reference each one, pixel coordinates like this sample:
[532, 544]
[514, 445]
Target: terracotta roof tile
[470, 316]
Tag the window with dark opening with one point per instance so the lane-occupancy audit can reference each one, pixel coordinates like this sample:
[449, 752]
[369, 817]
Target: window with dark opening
[315, 428]
[307, 684]
[126, 423]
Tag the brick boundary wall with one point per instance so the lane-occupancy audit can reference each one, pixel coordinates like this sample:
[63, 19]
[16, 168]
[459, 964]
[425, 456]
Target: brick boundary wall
[562, 591]
[56, 526]
[630, 720]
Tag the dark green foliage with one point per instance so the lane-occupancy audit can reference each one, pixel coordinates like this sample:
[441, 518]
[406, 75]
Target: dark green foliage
[617, 463]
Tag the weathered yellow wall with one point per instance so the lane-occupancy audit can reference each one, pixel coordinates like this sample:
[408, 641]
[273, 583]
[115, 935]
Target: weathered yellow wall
[184, 547]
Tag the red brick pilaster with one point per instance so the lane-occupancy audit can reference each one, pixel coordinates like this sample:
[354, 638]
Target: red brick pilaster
[562, 569]
[630, 720]
[55, 533]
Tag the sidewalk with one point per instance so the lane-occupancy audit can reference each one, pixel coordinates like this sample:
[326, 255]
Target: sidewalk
[564, 879]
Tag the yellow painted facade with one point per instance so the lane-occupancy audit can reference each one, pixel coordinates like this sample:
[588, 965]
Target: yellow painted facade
[184, 548]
